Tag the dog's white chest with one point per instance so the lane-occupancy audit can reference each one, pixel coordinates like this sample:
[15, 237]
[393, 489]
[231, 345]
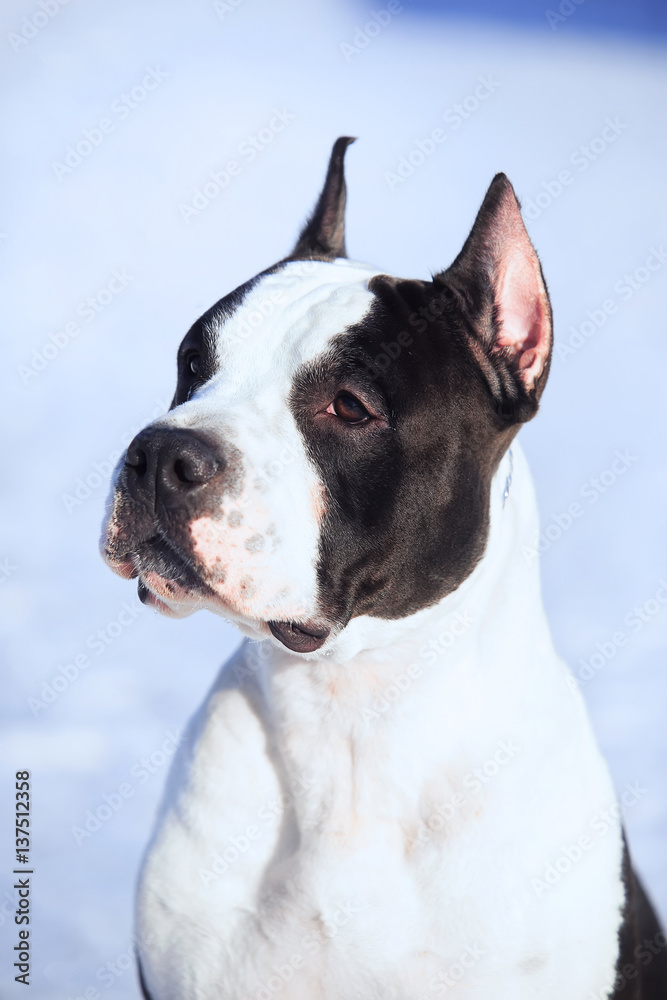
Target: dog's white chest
[394, 857]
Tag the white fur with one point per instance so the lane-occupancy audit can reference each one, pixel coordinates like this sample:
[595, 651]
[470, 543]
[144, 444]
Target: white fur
[260, 549]
[352, 888]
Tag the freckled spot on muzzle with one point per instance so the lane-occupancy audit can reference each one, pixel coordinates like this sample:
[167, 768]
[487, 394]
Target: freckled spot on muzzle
[256, 543]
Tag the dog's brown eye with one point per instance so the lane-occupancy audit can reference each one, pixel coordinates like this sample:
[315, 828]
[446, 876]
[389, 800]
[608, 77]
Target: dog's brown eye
[192, 363]
[349, 409]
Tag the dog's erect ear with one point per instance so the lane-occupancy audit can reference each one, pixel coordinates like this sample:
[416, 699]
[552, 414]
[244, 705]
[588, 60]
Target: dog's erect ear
[323, 236]
[498, 278]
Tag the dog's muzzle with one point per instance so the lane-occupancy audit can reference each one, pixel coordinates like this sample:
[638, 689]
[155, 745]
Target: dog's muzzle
[169, 475]
[172, 479]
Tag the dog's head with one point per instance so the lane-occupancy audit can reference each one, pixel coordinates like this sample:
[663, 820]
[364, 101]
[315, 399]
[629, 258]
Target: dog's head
[333, 436]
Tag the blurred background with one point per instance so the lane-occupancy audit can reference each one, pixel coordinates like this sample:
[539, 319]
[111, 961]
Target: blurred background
[120, 224]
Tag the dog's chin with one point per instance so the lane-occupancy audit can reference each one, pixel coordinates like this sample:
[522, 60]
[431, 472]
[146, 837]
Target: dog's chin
[167, 585]
[172, 600]
[169, 607]
[298, 638]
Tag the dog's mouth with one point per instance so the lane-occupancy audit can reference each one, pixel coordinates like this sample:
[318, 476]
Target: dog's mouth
[171, 580]
[166, 597]
[300, 638]
[167, 582]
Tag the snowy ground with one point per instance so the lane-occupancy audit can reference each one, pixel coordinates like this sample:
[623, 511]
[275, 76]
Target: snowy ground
[217, 76]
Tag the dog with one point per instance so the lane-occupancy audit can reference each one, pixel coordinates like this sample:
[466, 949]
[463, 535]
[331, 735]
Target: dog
[393, 789]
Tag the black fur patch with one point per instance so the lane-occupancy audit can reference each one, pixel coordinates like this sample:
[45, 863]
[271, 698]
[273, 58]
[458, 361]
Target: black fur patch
[200, 342]
[641, 969]
[407, 510]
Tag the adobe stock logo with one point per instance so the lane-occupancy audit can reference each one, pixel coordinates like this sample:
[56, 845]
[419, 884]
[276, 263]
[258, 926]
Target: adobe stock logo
[247, 151]
[32, 24]
[582, 158]
[121, 108]
[363, 36]
[454, 117]
[88, 310]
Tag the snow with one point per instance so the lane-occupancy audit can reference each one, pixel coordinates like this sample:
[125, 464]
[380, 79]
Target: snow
[219, 77]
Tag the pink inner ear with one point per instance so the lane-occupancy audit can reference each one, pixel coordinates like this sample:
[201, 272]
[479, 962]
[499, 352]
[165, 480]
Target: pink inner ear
[521, 300]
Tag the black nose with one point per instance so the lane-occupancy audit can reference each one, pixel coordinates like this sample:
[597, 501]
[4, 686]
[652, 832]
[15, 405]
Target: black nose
[165, 465]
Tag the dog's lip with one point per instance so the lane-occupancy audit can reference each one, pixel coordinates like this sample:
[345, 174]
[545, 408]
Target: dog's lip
[140, 559]
[150, 599]
[171, 607]
[125, 568]
[300, 638]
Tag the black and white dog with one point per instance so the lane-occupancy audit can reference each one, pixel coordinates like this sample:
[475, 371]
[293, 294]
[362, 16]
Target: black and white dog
[394, 790]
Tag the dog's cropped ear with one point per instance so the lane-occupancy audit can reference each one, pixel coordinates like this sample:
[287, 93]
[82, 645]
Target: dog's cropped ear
[498, 280]
[323, 236]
